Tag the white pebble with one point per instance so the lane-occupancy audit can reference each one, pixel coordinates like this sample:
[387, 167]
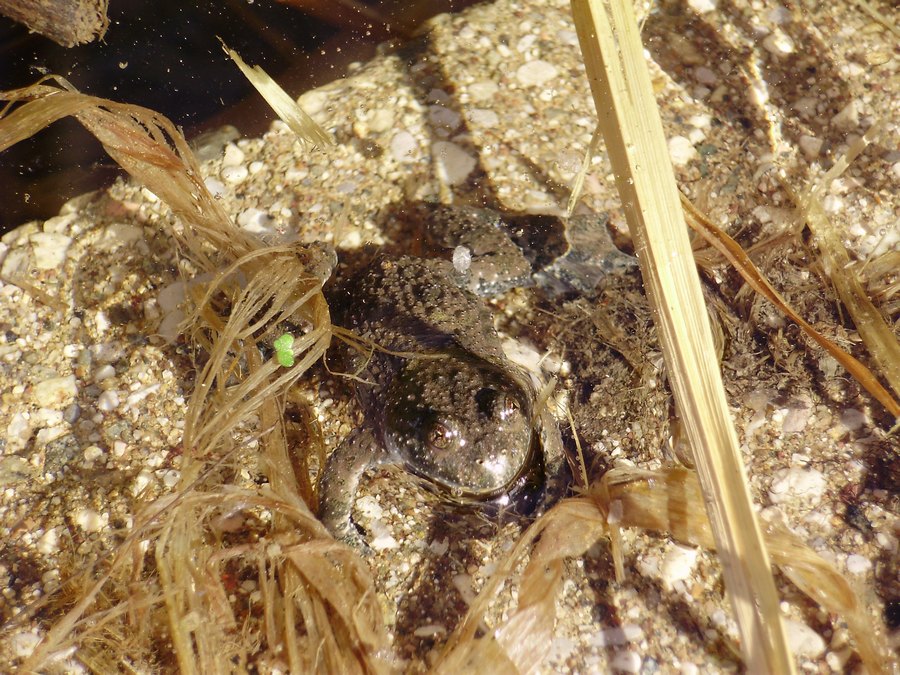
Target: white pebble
[89, 520]
[18, 432]
[121, 233]
[403, 145]
[119, 448]
[382, 120]
[454, 162]
[778, 43]
[255, 220]
[483, 91]
[462, 259]
[678, 564]
[681, 150]
[136, 397]
[215, 186]
[535, 73]
[857, 564]
[234, 174]
[23, 644]
[170, 478]
[702, 6]
[49, 249]
[617, 636]
[810, 146]
[92, 453]
[484, 118]
[104, 373]
[55, 392]
[796, 484]
[626, 662]
[233, 155]
[108, 400]
[848, 118]
[803, 640]
[49, 541]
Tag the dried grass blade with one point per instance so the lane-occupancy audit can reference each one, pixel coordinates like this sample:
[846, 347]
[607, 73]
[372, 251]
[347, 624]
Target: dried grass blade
[733, 252]
[623, 96]
[278, 99]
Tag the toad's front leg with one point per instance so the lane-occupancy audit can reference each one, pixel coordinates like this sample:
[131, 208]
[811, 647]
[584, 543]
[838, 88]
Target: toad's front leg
[340, 482]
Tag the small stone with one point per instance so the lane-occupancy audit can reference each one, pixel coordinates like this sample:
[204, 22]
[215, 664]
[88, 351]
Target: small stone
[446, 118]
[382, 120]
[484, 118]
[104, 373]
[848, 118]
[55, 392]
[403, 145]
[454, 162]
[108, 400]
[255, 221]
[677, 565]
[626, 662]
[234, 174]
[796, 484]
[233, 155]
[483, 91]
[89, 520]
[49, 249]
[705, 75]
[215, 186]
[702, 6]
[802, 640]
[535, 73]
[681, 150]
[462, 259]
[92, 453]
[49, 542]
[810, 146]
[857, 564]
[778, 43]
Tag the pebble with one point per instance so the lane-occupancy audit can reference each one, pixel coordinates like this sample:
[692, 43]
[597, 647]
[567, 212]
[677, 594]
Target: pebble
[625, 662]
[215, 186]
[778, 43]
[120, 233]
[55, 392]
[403, 145]
[89, 520]
[462, 259]
[255, 220]
[484, 118]
[18, 431]
[108, 400]
[617, 636]
[681, 150]
[49, 249]
[136, 397]
[484, 90]
[803, 640]
[857, 564]
[104, 372]
[848, 118]
[446, 118]
[234, 174]
[796, 484]
[454, 163]
[677, 564]
[233, 155]
[810, 146]
[49, 541]
[702, 6]
[535, 73]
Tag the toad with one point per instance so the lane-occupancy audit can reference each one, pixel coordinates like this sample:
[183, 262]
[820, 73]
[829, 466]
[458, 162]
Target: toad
[439, 396]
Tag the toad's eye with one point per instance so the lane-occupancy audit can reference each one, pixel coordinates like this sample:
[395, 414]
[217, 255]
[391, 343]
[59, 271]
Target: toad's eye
[439, 436]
